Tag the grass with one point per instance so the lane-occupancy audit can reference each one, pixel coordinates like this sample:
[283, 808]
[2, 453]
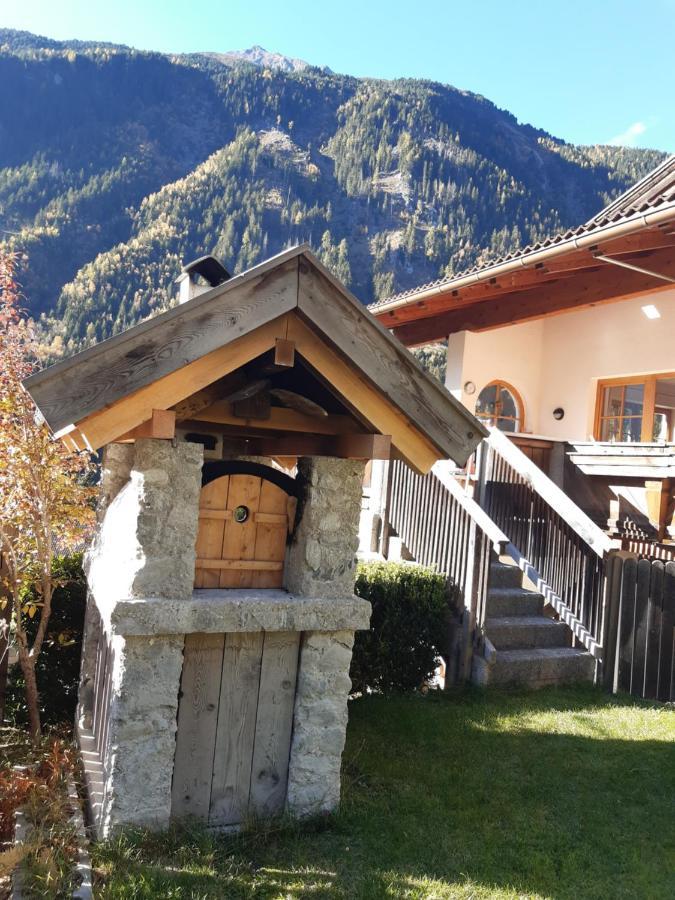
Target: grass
[564, 793]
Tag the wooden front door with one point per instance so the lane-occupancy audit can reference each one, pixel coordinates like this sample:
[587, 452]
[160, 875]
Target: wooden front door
[244, 521]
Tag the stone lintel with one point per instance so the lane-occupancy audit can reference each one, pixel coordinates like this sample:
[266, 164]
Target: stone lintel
[232, 610]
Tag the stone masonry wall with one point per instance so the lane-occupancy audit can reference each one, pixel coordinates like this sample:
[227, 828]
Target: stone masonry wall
[138, 764]
[321, 560]
[145, 545]
[319, 722]
[145, 548]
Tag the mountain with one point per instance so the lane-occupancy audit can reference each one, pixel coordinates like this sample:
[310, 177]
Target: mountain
[258, 56]
[117, 166]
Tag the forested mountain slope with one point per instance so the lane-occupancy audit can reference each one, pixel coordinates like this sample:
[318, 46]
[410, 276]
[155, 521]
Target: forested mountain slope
[116, 166]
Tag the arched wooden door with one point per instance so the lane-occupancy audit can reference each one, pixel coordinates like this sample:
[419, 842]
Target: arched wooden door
[244, 520]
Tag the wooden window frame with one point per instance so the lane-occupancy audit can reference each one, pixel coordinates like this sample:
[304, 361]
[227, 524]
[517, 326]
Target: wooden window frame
[648, 402]
[520, 419]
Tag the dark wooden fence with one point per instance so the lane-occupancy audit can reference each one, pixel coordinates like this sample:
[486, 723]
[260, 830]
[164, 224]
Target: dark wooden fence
[639, 629]
[442, 526]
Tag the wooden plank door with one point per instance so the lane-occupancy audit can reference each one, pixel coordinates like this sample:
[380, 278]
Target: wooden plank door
[235, 721]
[243, 527]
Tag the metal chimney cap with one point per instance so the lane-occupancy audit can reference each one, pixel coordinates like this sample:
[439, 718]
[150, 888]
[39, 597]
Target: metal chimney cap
[211, 269]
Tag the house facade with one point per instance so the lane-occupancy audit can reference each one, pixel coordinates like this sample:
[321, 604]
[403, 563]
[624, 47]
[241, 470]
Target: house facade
[568, 346]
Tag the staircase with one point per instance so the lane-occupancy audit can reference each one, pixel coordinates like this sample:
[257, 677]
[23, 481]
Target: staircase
[524, 646]
[468, 527]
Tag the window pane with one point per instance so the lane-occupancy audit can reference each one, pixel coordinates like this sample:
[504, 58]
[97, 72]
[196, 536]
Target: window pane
[612, 401]
[609, 430]
[661, 430]
[506, 424]
[507, 403]
[632, 430]
[487, 399]
[632, 400]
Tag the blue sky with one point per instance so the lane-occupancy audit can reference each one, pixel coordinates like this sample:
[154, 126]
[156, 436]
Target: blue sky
[588, 71]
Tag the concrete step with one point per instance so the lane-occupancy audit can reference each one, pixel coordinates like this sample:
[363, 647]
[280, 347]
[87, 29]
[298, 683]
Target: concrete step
[535, 668]
[503, 576]
[526, 632]
[513, 602]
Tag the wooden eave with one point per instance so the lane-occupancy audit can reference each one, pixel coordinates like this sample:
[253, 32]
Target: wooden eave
[109, 391]
[542, 283]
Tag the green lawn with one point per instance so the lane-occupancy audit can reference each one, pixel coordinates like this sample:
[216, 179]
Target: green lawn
[561, 793]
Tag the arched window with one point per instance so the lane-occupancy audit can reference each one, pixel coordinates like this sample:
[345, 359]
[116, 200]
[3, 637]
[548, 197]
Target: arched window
[499, 404]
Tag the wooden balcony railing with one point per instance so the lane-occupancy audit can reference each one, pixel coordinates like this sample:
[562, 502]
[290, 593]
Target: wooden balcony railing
[558, 547]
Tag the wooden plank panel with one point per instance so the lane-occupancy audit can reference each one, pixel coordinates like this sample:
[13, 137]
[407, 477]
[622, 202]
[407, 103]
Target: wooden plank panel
[102, 375]
[280, 419]
[664, 691]
[239, 537]
[654, 630]
[215, 513]
[627, 623]
[109, 423]
[272, 531]
[641, 621]
[197, 720]
[237, 713]
[213, 498]
[412, 445]
[274, 722]
[240, 565]
[370, 347]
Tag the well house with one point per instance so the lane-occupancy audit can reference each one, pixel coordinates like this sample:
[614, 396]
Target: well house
[221, 615]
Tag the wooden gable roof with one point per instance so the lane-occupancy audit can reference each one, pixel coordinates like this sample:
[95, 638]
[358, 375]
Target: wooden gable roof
[103, 393]
[627, 249]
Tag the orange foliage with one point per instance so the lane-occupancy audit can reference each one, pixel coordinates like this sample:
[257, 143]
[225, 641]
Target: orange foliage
[44, 503]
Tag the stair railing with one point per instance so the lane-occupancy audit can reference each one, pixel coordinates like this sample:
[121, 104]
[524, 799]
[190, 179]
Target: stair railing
[442, 526]
[560, 550]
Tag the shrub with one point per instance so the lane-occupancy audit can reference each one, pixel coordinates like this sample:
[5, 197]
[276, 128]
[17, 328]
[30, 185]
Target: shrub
[407, 628]
[58, 666]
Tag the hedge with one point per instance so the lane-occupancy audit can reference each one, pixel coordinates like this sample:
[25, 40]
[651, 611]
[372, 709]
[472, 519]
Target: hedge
[58, 665]
[407, 628]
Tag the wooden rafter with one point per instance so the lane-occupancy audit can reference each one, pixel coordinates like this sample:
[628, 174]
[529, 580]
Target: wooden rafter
[603, 285]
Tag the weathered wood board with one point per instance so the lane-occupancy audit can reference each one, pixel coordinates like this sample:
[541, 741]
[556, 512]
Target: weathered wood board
[98, 377]
[274, 722]
[197, 721]
[233, 754]
[379, 356]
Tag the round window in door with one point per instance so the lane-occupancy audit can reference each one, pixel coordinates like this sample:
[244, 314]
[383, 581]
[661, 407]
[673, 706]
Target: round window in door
[499, 405]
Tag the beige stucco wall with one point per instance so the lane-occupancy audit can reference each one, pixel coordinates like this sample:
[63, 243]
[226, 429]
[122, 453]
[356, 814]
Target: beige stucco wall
[557, 361]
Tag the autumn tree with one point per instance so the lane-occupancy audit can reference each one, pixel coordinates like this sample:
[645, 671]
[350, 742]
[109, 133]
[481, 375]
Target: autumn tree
[43, 498]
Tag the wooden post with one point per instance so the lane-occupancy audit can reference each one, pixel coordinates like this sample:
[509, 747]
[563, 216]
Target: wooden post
[610, 622]
[386, 524]
[471, 588]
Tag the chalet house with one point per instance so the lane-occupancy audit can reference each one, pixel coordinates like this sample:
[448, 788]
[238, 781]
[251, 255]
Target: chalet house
[567, 348]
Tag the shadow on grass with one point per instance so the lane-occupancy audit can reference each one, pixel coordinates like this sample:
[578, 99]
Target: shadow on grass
[560, 794]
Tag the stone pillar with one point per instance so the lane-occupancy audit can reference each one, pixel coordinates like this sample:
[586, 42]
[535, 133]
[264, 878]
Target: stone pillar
[115, 471]
[322, 563]
[144, 548]
[138, 759]
[319, 722]
[321, 560]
